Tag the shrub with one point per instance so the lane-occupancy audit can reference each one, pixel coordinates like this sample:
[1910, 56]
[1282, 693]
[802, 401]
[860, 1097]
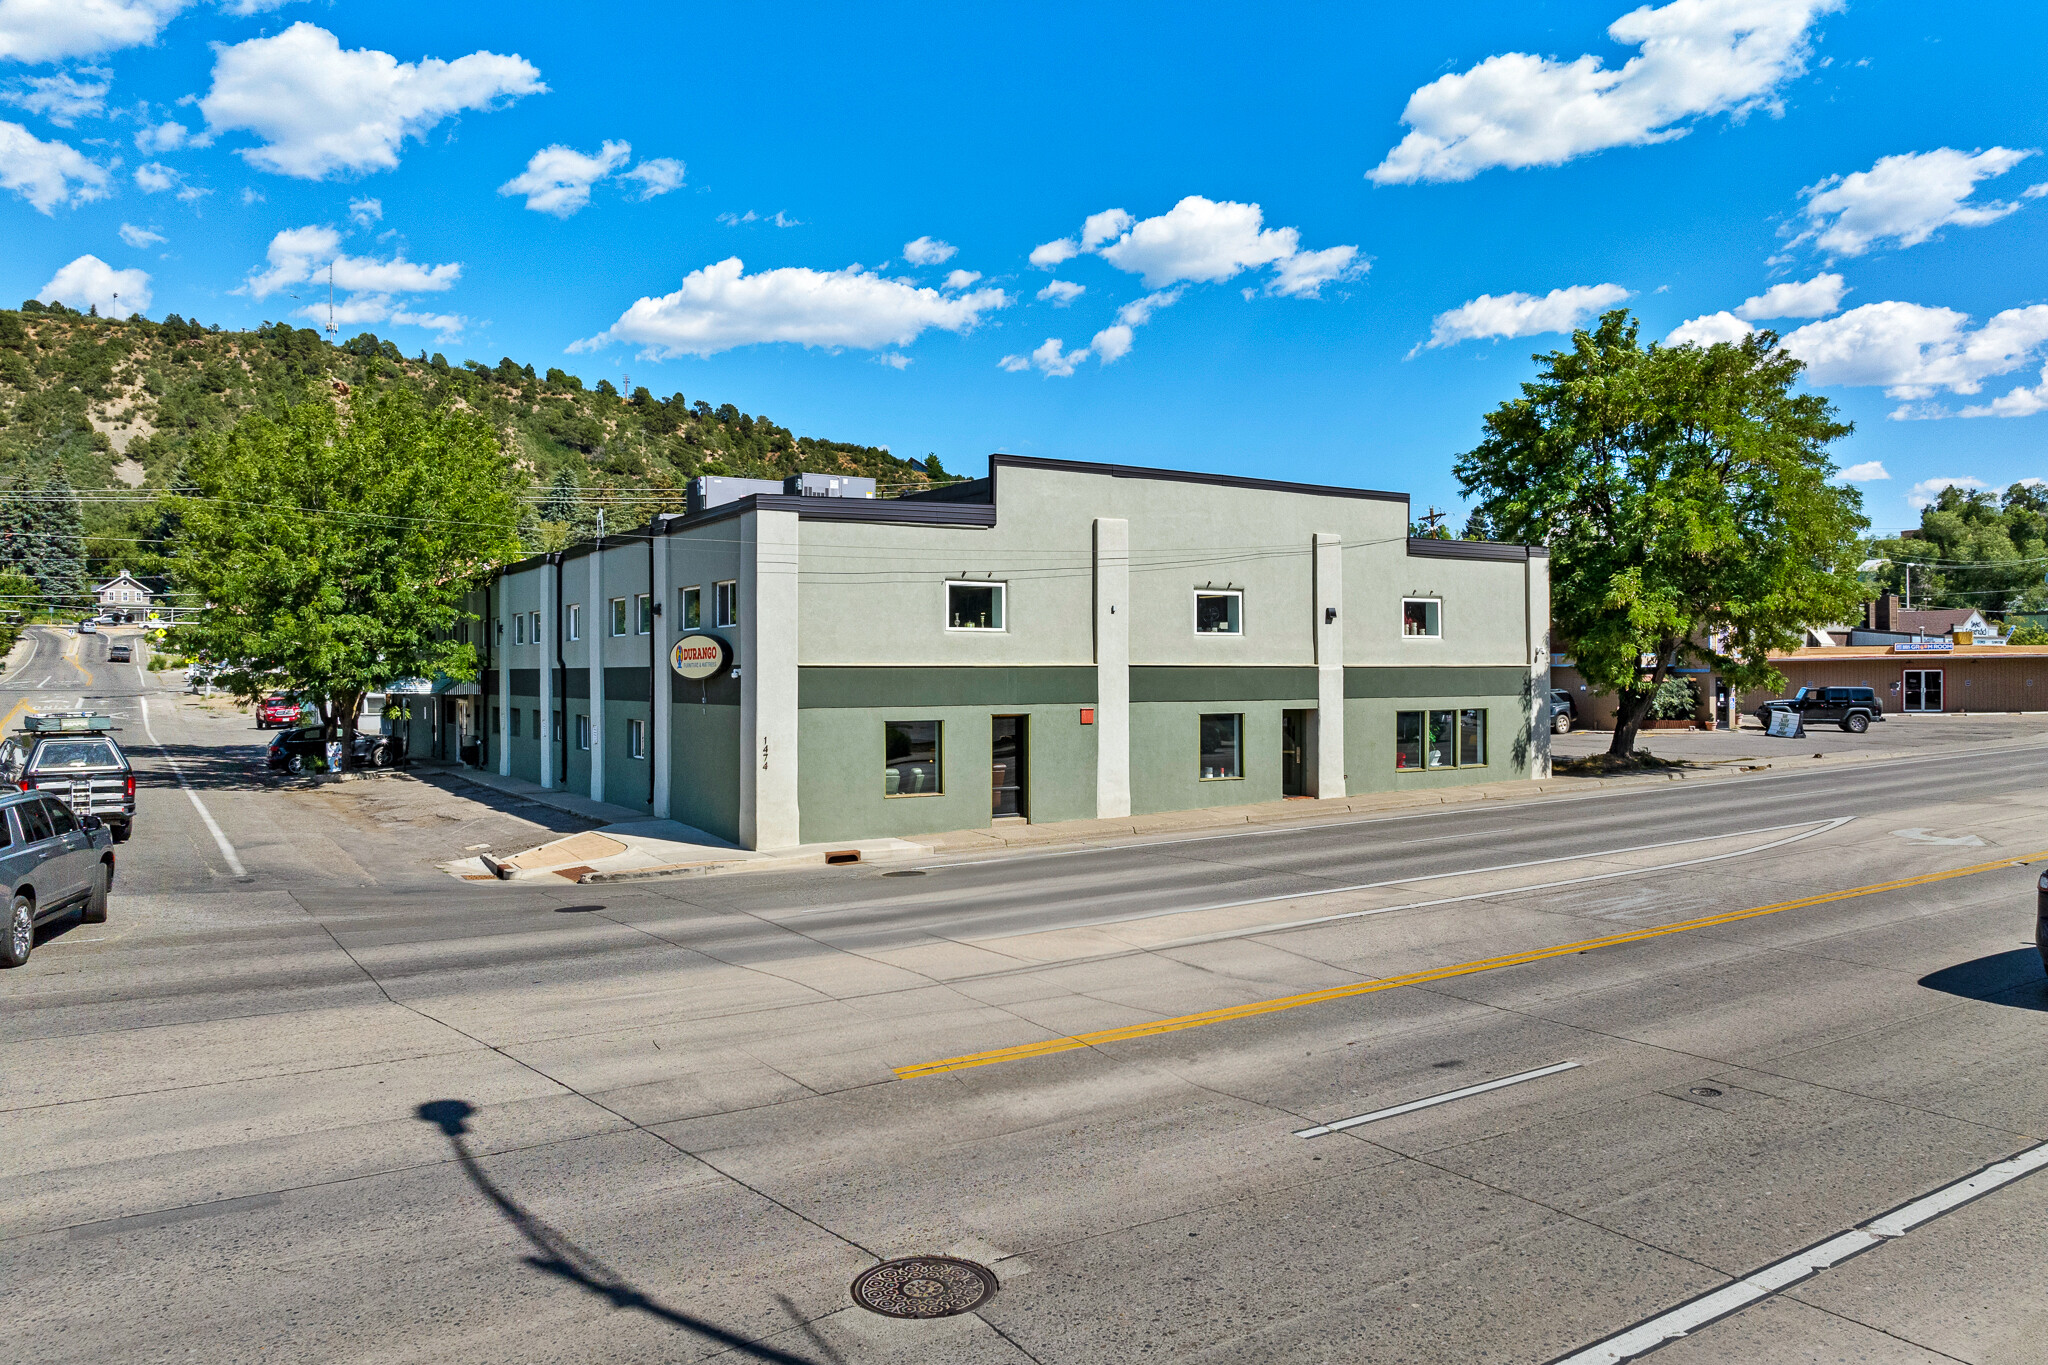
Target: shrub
[1676, 699]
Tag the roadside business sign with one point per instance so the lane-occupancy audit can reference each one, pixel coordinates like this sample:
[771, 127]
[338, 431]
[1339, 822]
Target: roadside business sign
[697, 657]
[1923, 646]
[1787, 724]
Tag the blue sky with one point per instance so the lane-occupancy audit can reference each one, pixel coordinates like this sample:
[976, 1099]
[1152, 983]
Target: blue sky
[1315, 243]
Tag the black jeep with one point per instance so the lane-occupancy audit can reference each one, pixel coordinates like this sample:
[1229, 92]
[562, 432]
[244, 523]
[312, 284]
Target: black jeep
[1855, 709]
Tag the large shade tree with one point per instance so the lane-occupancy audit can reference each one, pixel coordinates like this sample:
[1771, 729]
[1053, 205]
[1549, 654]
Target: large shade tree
[1684, 494]
[332, 546]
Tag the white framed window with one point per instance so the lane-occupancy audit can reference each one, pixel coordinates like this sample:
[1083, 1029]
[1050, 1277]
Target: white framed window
[618, 616]
[575, 622]
[643, 614]
[536, 627]
[1422, 618]
[583, 732]
[636, 738]
[693, 607]
[726, 603]
[1222, 747]
[1219, 611]
[519, 629]
[976, 605]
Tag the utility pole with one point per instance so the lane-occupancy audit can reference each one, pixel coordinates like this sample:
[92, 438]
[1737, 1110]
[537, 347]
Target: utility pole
[1430, 521]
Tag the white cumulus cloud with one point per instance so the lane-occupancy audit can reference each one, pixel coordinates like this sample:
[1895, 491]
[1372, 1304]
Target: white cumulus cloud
[52, 30]
[1814, 298]
[1905, 199]
[1709, 329]
[1108, 346]
[139, 237]
[167, 136]
[2019, 402]
[1698, 58]
[1924, 493]
[960, 279]
[1870, 471]
[90, 282]
[557, 179]
[657, 176]
[365, 211]
[1522, 315]
[63, 99]
[364, 309]
[1062, 292]
[48, 173]
[720, 307]
[928, 251]
[153, 177]
[1050, 254]
[321, 110]
[1913, 351]
[302, 255]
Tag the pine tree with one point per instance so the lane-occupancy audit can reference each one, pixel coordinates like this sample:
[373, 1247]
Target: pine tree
[57, 544]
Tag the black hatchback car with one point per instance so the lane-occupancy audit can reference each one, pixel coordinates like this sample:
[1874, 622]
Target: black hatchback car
[51, 862]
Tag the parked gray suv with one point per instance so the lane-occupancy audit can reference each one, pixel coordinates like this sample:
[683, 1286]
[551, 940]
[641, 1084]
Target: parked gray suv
[51, 862]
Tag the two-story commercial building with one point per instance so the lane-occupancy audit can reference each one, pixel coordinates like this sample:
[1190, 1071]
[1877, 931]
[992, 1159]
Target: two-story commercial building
[1055, 641]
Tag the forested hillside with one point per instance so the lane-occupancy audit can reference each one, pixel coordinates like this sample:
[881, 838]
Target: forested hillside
[108, 408]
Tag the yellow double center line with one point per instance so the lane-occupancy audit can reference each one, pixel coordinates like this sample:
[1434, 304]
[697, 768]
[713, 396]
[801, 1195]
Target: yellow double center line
[1388, 983]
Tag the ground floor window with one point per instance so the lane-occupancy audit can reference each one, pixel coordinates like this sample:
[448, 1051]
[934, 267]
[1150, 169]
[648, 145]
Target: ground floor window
[583, 732]
[636, 738]
[515, 722]
[1439, 739]
[538, 733]
[498, 718]
[910, 758]
[1222, 747]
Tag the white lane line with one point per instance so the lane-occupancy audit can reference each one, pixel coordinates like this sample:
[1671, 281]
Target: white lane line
[227, 850]
[1376, 1115]
[1690, 1317]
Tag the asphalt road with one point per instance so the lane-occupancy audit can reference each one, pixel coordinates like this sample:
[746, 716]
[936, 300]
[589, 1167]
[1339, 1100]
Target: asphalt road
[337, 1106]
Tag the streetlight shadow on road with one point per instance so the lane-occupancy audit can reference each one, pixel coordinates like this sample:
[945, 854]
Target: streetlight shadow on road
[2013, 978]
[556, 1255]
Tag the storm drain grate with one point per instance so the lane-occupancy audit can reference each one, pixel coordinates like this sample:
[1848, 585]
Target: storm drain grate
[924, 1287]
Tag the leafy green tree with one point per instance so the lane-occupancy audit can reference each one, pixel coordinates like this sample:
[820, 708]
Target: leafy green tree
[1980, 549]
[2028, 633]
[333, 545]
[1683, 494]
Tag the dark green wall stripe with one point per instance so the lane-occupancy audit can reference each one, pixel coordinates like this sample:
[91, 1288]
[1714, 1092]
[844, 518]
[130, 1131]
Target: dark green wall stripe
[525, 682]
[1208, 683]
[1367, 683]
[823, 688]
[627, 684]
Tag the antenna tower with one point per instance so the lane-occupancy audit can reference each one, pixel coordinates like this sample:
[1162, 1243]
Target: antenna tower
[330, 302]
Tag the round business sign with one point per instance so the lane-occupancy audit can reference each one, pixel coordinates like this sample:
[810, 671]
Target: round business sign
[699, 656]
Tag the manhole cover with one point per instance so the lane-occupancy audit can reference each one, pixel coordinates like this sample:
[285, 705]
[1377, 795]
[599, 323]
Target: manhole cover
[1706, 1092]
[924, 1287]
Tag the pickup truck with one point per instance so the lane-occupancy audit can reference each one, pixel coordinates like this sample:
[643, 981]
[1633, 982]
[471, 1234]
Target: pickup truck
[1855, 709]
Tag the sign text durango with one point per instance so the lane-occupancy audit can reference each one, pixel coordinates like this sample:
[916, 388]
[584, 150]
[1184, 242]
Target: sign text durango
[699, 656]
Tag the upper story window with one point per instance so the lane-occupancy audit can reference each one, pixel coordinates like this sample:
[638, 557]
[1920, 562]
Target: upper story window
[575, 622]
[618, 616]
[519, 629]
[975, 606]
[1422, 618]
[693, 607]
[536, 627]
[726, 603]
[1219, 612]
[643, 613]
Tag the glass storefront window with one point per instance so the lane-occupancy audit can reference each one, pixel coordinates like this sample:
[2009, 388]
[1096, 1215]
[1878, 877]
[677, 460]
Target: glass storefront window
[1407, 740]
[1443, 736]
[1222, 747]
[1471, 738]
[910, 758]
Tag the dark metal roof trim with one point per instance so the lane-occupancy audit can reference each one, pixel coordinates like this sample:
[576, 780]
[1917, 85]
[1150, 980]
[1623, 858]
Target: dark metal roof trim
[888, 511]
[1127, 471]
[1425, 547]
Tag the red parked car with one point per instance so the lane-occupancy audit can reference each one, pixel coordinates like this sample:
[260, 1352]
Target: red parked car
[276, 710]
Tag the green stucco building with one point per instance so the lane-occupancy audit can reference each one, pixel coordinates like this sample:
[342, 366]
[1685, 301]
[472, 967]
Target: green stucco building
[1056, 641]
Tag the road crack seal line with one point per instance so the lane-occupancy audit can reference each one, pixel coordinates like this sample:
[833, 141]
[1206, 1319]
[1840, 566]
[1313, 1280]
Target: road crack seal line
[1177, 1023]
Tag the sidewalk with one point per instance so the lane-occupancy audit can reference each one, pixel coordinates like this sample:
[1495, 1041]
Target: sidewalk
[628, 845]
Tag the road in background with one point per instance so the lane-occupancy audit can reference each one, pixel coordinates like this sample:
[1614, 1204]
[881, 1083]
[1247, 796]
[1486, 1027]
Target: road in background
[665, 1120]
